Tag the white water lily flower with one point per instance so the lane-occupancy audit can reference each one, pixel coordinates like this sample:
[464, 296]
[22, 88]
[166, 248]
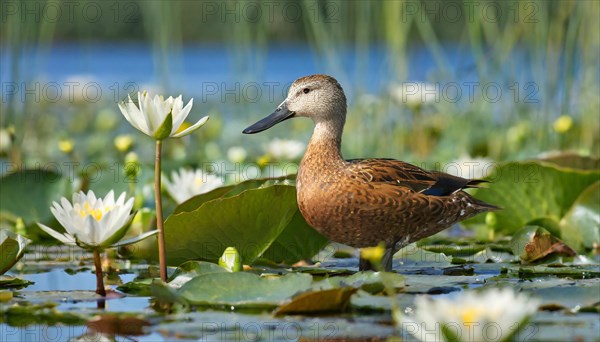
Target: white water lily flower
[185, 184]
[159, 118]
[94, 223]
[285, 149]
[492, 315]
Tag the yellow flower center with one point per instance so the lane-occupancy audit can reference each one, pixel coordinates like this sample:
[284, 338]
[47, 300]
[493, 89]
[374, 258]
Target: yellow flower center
[184, 126]
[96, 213]
[470, 314]
[198, 181]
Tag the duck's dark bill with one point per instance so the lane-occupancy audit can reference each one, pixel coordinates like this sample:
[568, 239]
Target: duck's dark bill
[279, 115]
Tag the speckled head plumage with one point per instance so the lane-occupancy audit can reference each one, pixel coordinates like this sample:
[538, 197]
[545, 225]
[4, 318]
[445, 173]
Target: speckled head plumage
[319, 97]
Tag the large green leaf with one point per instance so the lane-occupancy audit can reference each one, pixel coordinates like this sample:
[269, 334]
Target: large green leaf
[231, 190]
[29, 194]
[250, 222]
[258, 217]
[531, 190]
[12, 247]
[297, 241]
[244, 289]
[580, 227]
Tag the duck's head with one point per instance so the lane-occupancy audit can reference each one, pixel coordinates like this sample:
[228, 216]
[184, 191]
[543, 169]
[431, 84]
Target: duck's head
[319, 97]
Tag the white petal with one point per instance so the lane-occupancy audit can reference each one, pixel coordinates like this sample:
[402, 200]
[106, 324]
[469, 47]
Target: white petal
[132, 114]
[109, 199]
[191, 128]
[179, 113]
[66, 239]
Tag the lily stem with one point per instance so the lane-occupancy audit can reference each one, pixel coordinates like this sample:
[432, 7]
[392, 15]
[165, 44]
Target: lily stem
[159, 217]
[99, 278]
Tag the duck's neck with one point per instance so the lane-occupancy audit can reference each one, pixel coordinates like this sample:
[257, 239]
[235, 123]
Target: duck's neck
[325, 143]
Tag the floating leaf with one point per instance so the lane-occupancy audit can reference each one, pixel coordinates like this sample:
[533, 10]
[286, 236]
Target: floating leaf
[7, 282]
[244, 289]
[188, 270]
[575, 272]
[534, 243]
[369, 281]
[324, 301]
[531, 190]
[580, 227]
[12, 247]
[24, 314]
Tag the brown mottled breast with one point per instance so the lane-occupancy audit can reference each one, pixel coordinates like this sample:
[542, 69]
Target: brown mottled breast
[364, 202]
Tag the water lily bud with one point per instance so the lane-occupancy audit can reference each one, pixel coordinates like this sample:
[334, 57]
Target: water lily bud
[373, 254]
[132, 164]
[231, 260]
[491, 220]
[66, 145]
[123, 142]
[563, 124]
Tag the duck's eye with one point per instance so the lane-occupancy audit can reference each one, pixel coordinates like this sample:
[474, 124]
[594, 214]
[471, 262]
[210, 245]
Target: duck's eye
[306, 90]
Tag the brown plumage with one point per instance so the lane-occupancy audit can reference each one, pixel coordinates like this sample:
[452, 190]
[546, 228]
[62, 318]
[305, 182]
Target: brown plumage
[363, 202]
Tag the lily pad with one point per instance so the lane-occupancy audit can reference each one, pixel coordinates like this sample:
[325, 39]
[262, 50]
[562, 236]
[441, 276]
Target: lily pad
[8, 282]
[531, 190]
[324, 301]
[188, 270]
[12, 247]
[242, 289]
[24, 314]
[534, 243]
[580, 227]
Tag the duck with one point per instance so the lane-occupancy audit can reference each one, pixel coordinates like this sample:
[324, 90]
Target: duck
[365, 202]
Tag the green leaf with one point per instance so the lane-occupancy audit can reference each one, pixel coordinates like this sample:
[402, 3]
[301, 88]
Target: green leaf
[242, 289]
[574, 161]
[534, 243]
[7, 282]
[29, 194]
[12, 247]
[580, 227]
[188, 270]
[250, 222]
[298, 241]
[232, 190]
[531, 190]
[324, 301]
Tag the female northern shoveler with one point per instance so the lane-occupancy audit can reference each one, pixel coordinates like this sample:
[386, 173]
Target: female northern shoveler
[362, 202]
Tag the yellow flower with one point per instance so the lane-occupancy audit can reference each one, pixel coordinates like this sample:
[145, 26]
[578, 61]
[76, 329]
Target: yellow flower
[66, 145]
[563, 124]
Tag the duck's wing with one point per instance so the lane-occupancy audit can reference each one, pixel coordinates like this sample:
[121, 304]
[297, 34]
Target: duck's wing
[414, 178]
